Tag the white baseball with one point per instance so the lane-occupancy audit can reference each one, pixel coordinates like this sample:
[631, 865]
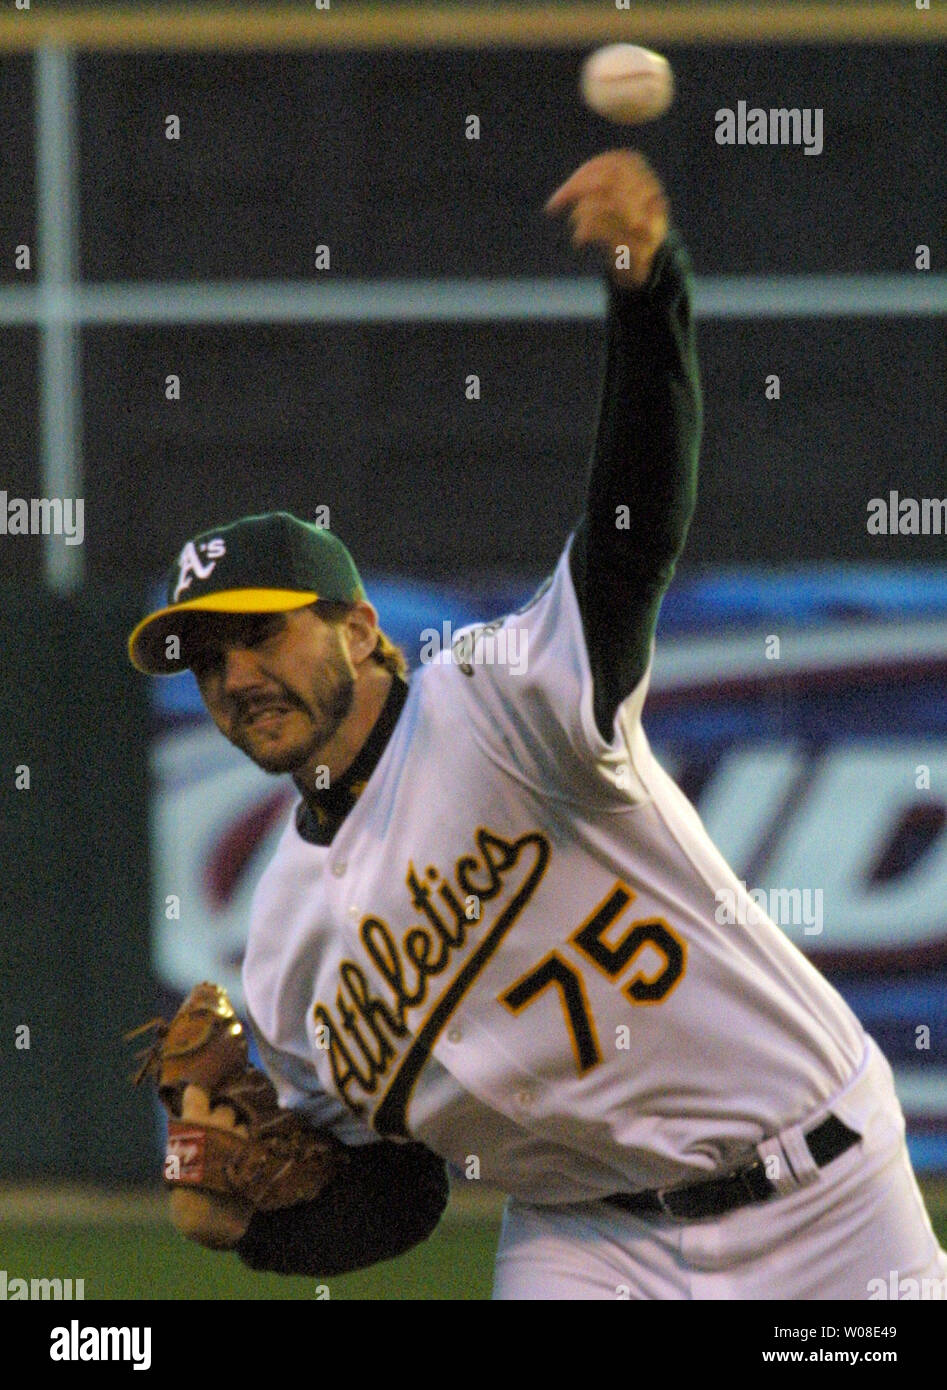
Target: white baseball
[627, 84]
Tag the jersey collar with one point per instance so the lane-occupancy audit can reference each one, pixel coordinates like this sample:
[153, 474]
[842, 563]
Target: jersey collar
[322, 812]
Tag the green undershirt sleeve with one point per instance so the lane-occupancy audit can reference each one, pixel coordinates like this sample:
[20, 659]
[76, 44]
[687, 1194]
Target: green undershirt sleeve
[643, 475]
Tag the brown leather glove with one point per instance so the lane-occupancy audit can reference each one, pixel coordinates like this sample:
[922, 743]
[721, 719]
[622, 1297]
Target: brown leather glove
[231, 1149]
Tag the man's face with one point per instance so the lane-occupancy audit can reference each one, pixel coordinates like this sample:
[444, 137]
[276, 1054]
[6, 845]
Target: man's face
[277, 685]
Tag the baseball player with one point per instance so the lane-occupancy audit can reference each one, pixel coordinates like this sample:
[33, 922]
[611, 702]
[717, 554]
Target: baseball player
[490, 932]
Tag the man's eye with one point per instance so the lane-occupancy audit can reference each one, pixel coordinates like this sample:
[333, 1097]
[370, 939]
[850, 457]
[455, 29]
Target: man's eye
[201, 655]
[259, 632]
[205, 655]
[202, 659]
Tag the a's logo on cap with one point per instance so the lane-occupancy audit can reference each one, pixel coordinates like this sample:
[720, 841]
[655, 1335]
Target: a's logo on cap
[190, 564]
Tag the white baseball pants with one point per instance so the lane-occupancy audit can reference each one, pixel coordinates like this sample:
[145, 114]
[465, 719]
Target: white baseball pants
[844, 1231]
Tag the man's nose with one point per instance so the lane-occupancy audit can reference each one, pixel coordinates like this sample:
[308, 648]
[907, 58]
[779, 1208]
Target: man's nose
[241, 670]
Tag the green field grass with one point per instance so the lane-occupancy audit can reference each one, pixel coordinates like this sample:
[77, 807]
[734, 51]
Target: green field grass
[145, 1259]
[123, 1256]
[152, 1262]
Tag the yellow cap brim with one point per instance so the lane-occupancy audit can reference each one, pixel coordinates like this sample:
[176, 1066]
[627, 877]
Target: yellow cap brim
[147, 642]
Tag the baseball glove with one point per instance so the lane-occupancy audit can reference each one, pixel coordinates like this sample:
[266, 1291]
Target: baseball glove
[229, 1142]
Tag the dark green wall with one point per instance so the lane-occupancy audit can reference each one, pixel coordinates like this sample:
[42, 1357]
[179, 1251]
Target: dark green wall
[74, 905]
[365, 151]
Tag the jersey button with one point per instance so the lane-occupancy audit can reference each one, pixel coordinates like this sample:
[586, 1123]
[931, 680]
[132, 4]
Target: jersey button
[339, 867]
[454, 1033]
[525, 1097]
[353, 912]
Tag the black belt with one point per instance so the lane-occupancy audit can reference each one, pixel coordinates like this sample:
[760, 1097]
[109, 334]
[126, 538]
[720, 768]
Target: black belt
[826, 1142]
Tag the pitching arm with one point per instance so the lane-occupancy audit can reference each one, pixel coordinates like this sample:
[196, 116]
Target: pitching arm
[643, 478]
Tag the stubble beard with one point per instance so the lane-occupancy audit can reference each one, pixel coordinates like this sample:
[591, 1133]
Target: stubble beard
[325, 709]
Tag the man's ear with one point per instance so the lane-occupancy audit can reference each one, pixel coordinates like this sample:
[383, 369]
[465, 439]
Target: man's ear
[361, 627]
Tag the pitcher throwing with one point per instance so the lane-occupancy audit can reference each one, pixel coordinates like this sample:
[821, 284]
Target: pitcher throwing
[490, 931]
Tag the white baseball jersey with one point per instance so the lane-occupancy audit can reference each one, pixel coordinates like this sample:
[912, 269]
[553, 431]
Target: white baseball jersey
[511, 951]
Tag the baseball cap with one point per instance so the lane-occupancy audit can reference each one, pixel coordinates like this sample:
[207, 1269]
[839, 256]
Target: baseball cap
[270, 563]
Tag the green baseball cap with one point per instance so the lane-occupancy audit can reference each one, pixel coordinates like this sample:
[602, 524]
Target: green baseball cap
[271, 563]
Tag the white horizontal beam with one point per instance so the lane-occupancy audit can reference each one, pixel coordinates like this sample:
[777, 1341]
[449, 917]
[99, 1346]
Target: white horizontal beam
[920, 295]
